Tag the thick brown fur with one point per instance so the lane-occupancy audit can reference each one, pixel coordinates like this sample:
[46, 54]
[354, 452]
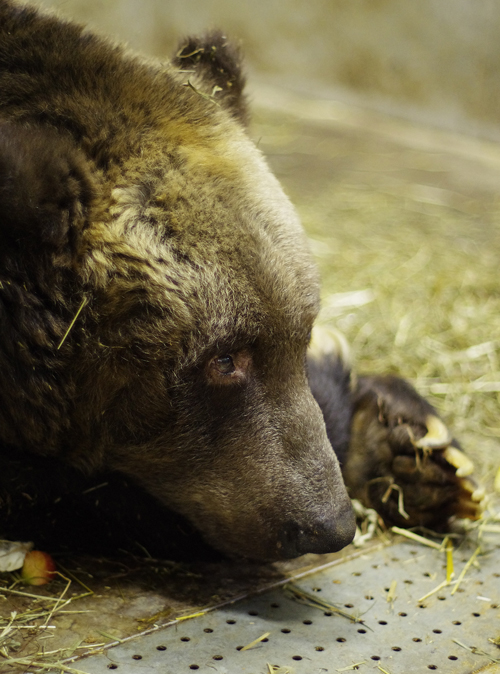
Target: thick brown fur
[156, 291]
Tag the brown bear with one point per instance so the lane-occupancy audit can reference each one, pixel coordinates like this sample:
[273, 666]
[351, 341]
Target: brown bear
[157, 298]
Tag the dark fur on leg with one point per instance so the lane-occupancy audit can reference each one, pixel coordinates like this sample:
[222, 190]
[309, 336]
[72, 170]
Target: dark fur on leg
[330, 382]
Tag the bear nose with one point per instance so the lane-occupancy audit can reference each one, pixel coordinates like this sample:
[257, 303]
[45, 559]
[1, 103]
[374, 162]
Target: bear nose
[320, 537]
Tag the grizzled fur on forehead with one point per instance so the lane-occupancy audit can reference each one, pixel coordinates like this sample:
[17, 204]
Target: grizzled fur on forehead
[259, 290]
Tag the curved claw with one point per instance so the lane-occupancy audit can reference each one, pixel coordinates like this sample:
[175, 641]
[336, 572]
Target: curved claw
[437, 437]
[478, 495]
[458, 460]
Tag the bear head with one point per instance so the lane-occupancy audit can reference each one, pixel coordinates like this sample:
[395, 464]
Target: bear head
[157, 293]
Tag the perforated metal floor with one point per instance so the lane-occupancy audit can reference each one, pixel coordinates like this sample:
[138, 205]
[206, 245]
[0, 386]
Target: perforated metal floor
[406, 635]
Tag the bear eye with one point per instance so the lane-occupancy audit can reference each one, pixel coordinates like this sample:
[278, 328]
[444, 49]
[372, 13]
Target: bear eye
[227, 370]
[224, 364]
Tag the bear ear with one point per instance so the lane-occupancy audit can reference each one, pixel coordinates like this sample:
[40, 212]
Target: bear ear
[45, 189]
[217, 66]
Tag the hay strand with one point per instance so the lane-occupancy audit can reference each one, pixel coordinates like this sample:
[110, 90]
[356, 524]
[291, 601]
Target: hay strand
[255, 642]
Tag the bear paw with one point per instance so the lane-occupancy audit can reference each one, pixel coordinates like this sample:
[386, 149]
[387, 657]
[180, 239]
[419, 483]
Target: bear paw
[402, 459]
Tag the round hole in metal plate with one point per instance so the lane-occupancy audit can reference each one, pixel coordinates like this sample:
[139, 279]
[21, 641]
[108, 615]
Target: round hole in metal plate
[431, 667]
[437, 631]
[402, 614]
[341, 640]
[285, 630]
[441, 599]
[452, 657]
[275, 605]
[476, 615]
[382, 622]
[349, 605]
[231, 622]
[137, 657]
[161, 648]
[375, 657]
[319, 648]
[316, 589]
[296, 657]
[362, 631]
[185, 638]
[328, 613]
[416, 640]
[367, 596]
[253, 613]
[396, 648]
[208, 630]
[307, 622]
[217, 657]
[194, 666]
[456, 622]
[112, 666]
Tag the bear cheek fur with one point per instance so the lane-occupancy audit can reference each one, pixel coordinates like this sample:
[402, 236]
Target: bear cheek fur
[249, 465]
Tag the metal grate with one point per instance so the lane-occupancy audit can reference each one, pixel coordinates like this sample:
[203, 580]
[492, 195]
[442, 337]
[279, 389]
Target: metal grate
[405, 635]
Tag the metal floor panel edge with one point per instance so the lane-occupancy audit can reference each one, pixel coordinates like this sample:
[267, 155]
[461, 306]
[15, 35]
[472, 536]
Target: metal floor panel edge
[444, 633]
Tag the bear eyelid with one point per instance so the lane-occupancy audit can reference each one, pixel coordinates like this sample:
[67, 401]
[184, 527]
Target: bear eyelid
[229, 368]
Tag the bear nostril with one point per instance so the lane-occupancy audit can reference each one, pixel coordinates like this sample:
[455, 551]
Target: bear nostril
[320, 536]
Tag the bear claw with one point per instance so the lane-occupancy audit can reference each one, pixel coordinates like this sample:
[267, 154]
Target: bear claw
[458, 460]
[437, 437]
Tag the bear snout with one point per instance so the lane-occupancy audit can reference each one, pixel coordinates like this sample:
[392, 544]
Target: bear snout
[326, 534]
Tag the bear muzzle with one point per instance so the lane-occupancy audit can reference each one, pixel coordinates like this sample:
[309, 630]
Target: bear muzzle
[325, 535]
